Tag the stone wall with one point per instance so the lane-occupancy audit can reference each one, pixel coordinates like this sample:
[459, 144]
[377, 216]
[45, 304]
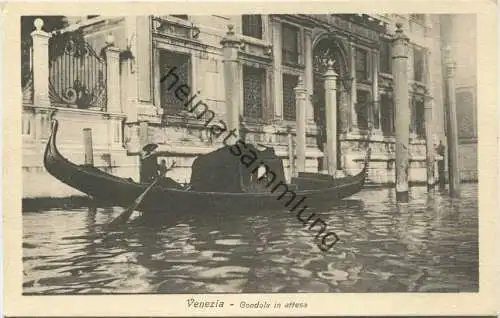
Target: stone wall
[468, 162]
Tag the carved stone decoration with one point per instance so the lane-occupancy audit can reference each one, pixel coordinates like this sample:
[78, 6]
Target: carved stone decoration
[321, 59]
[269, 50]
[195, 32]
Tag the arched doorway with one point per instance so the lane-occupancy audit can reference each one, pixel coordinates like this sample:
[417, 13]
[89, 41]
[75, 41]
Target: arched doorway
[329, 49]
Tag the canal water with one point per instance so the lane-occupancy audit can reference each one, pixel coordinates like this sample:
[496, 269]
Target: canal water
[431, 245]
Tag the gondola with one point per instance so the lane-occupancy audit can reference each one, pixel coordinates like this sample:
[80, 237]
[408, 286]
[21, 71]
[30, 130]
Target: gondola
[219, 182]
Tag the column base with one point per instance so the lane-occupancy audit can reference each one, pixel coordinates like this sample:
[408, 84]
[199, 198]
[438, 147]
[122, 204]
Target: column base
[402, 197]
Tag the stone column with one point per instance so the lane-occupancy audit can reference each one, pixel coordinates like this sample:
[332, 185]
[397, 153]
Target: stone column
[40, 65]
[331, 117]
[309, 81]
[376, 97]
[277, 70]
[301, 113]
[402, 108]
[113, 77]
[231, 45]
[429, 143]
[452, 133]
[354, 118]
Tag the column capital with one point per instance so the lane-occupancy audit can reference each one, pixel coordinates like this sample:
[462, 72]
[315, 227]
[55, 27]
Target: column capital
[113, 50]
[330, 72]
[230, 40]
[39, 32]
[300, 88]
[400, 43]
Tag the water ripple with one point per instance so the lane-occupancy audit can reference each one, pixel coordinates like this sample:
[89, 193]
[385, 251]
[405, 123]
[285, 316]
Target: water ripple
[430, 245]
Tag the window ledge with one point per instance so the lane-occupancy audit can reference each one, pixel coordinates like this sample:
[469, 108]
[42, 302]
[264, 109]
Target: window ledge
[187, 121]
[255, 41]
[293, 65]
[250, 122]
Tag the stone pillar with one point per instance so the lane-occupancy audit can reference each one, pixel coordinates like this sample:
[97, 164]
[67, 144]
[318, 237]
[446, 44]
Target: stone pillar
[376, 96]
[452, 133]
[113, 76]
[40, 65]
[88, 148]
[354, 118]
[291, 153]
[331, 117]
[277, 70]
[402, 108]
[429, 143]
[309, 81]
[301, 113]
[231, 45]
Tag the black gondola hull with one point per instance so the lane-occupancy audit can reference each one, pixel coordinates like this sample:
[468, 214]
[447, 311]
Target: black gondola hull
[106, 188]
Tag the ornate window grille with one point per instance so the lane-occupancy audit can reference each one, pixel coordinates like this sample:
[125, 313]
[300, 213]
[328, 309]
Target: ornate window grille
[387, 114]
[385, 57]
[362, 108]
[467, 127]
[254, 83]
[362, 71]
[418, 116]
[290, 44]
[289, 103]
[180, 64]
[252, 25]
[418, 64]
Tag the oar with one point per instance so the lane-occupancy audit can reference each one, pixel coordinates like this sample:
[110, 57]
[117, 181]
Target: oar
[122, 218]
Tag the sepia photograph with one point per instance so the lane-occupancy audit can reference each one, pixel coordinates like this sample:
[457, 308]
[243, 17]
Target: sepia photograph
[249, 153]
[248, 161]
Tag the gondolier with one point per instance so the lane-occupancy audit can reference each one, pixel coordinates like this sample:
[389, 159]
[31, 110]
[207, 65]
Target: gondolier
[149, 165]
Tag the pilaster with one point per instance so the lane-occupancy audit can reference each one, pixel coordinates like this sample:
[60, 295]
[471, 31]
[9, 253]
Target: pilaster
[331, 117]
[401, 103]
[231, 45]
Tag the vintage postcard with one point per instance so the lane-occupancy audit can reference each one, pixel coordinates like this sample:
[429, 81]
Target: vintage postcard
[250, 159]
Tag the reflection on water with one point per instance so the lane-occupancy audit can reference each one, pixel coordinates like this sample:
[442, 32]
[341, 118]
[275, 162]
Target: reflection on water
[430, 245]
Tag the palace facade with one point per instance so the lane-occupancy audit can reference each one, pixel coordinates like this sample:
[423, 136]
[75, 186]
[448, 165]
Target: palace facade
[325, 79]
